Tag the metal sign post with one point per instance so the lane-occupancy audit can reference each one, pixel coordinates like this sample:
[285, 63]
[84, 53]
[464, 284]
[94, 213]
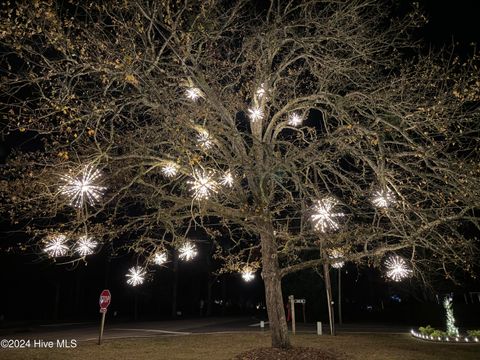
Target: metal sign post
[292, 310]
[105, 299]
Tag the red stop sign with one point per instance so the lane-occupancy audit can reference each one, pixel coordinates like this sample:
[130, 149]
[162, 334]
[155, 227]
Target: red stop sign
[105, 298]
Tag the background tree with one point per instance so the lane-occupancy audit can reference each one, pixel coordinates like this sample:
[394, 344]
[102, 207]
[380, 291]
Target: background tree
[286, 131]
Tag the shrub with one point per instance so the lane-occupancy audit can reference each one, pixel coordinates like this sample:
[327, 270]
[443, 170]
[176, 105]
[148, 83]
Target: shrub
[473, 332]
[427, 330]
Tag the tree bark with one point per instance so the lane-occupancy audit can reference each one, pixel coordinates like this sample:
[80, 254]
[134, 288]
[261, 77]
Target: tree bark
[273, 292]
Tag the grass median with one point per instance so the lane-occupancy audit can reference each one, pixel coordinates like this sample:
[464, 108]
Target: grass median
[226, 346]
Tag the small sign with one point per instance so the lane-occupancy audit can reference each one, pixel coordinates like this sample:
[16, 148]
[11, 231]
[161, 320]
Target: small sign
[299, 301]
[105, 299]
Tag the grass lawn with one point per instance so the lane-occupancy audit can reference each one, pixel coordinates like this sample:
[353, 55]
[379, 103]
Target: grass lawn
[226, 346]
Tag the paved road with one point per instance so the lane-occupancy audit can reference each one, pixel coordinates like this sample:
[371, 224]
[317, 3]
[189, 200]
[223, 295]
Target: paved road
[89, 331]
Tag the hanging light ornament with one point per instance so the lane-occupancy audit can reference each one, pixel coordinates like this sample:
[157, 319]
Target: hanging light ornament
[193, 93]
[170, 169]
[135, 276]
[187, 251]
[383, 198]
[324, 218]
[203, 185]
[295, 119]
[227, 179]
[56, 246]
[204, 139]
[248, 274]
[397, 268]
[336, 254]
[82, 189]
[255, 114]
[160, 258]
[85, 245]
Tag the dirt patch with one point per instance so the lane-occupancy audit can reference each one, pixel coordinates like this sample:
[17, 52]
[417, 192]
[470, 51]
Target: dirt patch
[297, 353]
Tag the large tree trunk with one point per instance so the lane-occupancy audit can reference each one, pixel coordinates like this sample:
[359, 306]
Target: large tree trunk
[173, 312]
[273, 292]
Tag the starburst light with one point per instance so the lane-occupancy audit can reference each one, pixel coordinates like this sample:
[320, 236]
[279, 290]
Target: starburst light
[294, 119]
[193, 93]
[170, 169]
[247, 274]
[83, 189]
[187, 251]
[324, 218]
[255, 114]
[160, 258]
[85, 245]
[227, 179]
[56, 246]
[397, 268]
[383, 198]
[203, 185]
[135, 276]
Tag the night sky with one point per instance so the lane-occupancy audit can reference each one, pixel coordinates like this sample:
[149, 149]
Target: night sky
[39, 290]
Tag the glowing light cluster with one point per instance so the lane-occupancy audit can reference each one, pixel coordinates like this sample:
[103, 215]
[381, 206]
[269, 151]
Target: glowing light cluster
[324, 218]
[294, 119]
[255, 113]
[56, 246]
[204, 139]
[203, 185]
[193, 93]
[82, 189]
[135, 276]
[227, 179]
[457, 338]
[397, 268]
[335, 254]
[248, 274]
[160, 258]
[170, 169]
[452, 330]
[383, 198]
[187, 251]
[261, 92]
[85, 245]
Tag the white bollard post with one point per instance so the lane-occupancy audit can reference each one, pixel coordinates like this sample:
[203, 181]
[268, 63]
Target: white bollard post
[262, 325]
[319, 328]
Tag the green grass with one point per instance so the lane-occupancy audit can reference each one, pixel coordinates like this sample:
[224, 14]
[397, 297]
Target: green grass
[225, 346]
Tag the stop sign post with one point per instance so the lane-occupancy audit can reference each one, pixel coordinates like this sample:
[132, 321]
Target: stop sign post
[105, 298]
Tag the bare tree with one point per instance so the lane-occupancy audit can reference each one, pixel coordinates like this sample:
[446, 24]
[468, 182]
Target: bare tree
[286, 132]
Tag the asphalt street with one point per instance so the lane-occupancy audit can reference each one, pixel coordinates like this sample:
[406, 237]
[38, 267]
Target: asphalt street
[89, 331]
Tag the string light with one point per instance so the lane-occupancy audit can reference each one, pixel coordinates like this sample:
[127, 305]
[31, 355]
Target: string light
[85, 245]
[170, 169]
[193, 93]
[255, 114]
[335, 254]
[227, 179]
[397, 268]
[294, 119]
[203, 185]
[204, 139]
[187, 251]
[383, 198]
[135, 276]
[56, 246]
[83, 189]
[247, 274]
[160, 258]
[324, 218]
[452, 330]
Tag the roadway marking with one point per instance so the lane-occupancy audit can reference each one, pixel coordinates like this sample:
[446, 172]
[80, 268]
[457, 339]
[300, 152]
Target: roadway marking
[258, 324]
[155, 331]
